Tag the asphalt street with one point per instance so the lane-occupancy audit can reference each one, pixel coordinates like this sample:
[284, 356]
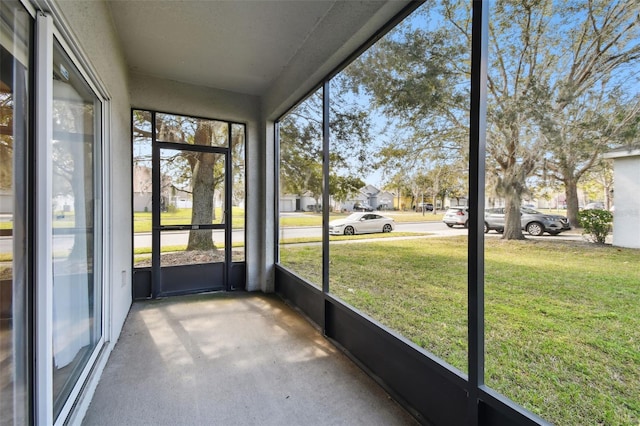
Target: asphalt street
[143, 239]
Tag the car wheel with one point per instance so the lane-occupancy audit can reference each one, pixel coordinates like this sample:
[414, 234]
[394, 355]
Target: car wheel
[486, 228]
[466, 224]
[450, 225]
[535, 228]
[386, 228]
[349, 230]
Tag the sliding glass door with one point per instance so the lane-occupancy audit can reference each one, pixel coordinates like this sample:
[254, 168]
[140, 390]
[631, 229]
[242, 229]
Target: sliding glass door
[51, 220]
[76, 218]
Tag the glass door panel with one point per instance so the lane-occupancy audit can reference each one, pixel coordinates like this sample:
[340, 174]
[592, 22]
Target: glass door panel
[191, 188]
[142, 187]
[77, 315]
[192, 131]
[238, 188]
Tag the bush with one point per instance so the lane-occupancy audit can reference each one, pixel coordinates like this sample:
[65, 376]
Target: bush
[596, 223]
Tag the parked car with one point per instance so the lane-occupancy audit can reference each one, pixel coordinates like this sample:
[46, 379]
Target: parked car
[594, 206]
[361, 223]
[362, 207]
[428, 207]
[457, 216]
[532, 221]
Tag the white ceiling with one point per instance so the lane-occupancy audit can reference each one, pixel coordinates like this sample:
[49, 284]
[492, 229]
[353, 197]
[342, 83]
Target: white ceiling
[240, 45]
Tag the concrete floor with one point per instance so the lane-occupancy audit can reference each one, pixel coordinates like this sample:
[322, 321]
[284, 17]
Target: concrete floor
[232, 359]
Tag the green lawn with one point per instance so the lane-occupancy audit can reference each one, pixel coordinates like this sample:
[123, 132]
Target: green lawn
[142, 220]
[562, 318]
[350, 237]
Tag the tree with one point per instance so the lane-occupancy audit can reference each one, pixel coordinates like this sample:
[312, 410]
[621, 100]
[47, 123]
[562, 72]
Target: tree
[597, 184]
[301, 145]
[300, 133]
[449, 181]
[547, 58]
[73, 168]
[204, 172]
[342, 188]
[198, 173]
[6, 141]
[413, 78]
[207, 170]
[589, 99]
[398, 184]
[553, 67]
[238, 165]
[420, 185]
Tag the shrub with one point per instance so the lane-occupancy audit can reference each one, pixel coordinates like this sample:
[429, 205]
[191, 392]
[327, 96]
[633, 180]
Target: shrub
[596, 223]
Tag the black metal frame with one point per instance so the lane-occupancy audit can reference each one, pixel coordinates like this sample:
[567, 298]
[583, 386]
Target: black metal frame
[475, 257]
[432, 390]
[148, 282]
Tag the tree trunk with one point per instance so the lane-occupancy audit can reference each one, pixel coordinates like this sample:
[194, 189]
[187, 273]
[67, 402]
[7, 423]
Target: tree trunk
[203, 191]
[83, 199]
[512, 219]
[571, 193]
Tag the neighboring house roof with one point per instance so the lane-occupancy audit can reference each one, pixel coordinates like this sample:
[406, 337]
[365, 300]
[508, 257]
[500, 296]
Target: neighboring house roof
[363, 194]
[369, 190]
[622, 152]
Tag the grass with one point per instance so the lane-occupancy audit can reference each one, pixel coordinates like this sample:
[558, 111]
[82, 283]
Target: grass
[142, 220]
[562, 320]
[318, 239]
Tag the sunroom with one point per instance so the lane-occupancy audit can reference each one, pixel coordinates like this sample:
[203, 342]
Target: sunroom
[196, 153]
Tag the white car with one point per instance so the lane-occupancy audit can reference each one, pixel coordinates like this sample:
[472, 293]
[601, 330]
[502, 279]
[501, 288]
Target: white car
[457, 215]
[361, 223]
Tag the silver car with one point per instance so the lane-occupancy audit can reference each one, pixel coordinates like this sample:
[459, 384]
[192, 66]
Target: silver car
[532, 221]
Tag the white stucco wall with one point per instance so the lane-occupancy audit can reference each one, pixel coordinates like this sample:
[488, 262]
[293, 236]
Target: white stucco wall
[626, 218]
